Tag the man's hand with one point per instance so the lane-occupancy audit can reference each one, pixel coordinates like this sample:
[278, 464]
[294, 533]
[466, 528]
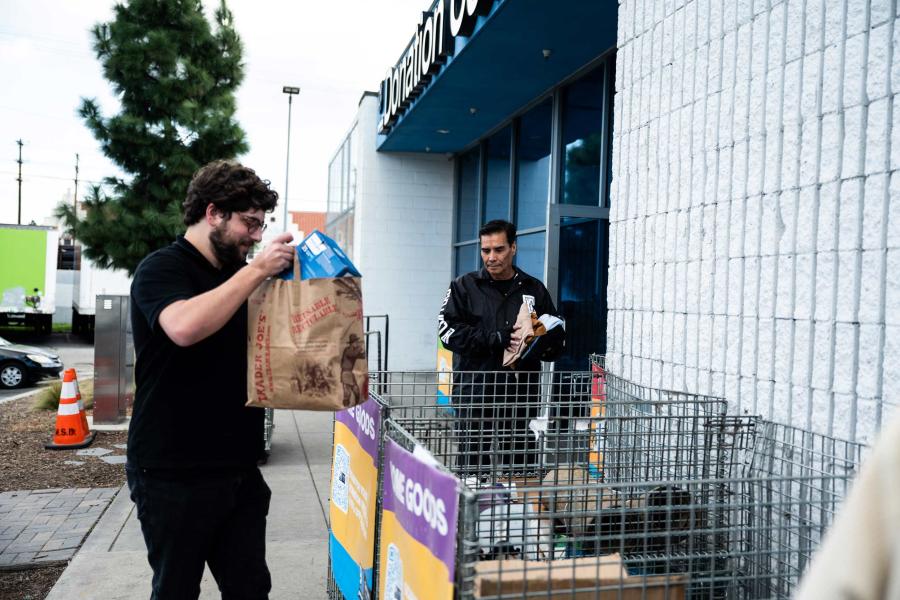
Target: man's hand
[276, 257]
[514, 338]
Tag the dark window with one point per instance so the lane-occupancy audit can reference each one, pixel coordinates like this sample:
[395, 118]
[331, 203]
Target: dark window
[66, 258]
[582, 117]
[583, 265]
[465, 259]
[533, 166]
[496, 177]
[467, 206]
[530, 253]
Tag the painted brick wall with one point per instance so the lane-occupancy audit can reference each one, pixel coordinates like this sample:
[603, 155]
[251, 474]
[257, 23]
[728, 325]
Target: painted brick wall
[402, 242]
[755, 232]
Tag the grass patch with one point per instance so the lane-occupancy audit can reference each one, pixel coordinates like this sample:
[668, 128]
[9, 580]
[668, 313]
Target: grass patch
[11, 328]
[21, 328]
[48, 398]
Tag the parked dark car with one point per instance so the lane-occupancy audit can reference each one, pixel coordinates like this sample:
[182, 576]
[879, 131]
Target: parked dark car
[24, 365]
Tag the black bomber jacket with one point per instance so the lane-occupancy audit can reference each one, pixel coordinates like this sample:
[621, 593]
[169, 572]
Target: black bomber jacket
[475, 316]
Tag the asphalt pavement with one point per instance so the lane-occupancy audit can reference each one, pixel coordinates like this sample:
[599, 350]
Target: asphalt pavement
[74, 352]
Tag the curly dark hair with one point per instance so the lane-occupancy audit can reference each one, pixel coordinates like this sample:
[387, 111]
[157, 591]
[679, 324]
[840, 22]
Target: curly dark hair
[228, 185]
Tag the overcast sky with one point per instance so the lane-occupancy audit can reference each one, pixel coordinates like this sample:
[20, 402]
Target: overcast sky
[332, 50]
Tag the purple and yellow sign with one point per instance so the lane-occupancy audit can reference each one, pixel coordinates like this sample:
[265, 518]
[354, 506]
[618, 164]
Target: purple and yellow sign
[417, 554]
[354, 481]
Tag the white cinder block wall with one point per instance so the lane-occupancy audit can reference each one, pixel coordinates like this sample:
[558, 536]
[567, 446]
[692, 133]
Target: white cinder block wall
[402, 229]
[755, 227]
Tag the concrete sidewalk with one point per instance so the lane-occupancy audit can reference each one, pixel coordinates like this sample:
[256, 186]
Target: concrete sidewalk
[112, 563]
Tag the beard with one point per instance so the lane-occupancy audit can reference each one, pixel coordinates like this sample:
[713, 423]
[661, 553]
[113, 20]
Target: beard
[228, 251]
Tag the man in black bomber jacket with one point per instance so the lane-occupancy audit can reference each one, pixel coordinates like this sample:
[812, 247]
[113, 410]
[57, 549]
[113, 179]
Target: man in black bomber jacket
[477, 323]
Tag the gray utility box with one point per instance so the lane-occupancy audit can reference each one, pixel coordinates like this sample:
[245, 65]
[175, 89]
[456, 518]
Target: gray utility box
[113, 359]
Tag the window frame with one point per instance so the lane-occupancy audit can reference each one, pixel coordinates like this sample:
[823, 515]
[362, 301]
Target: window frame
[555, 210]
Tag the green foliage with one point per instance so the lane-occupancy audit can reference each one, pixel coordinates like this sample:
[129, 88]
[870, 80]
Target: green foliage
[175, 76]
[48, 397]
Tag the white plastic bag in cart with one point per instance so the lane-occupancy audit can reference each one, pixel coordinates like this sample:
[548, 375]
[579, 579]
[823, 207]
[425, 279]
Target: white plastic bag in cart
[514, 530]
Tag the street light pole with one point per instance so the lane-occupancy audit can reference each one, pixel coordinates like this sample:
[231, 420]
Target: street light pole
[291, 92]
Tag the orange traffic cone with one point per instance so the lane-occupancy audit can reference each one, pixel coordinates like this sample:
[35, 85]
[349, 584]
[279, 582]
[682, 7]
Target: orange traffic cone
[81, 411]
[71, 422]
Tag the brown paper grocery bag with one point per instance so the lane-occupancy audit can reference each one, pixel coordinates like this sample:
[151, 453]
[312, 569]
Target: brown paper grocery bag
[305, 347]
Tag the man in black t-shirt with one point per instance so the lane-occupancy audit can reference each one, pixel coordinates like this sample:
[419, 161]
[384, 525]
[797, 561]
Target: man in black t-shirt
[192, 445]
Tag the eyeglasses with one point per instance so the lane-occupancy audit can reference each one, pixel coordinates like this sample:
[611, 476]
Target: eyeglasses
[253, 225]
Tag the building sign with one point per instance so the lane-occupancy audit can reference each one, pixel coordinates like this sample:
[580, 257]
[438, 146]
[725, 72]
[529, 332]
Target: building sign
[354, 480]
[430, 47]
[417, 554]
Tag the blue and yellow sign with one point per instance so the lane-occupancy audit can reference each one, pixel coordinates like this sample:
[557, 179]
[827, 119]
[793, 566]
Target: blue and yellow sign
[354, 481]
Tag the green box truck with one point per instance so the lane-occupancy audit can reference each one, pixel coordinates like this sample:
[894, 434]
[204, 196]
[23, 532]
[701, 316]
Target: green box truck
[28, 275]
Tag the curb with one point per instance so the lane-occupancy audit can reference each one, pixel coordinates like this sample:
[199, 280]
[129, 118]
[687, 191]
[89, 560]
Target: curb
[32, 565]
[37, 389]
[33, 392]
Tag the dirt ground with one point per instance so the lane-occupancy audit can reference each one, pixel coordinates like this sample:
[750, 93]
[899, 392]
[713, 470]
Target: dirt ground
[26, 465]
[31, 584]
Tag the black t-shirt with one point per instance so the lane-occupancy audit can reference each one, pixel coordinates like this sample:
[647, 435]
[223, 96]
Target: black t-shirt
[504, 285]
[189, 402]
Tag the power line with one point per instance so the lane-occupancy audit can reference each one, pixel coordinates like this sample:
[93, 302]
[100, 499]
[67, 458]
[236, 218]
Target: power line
[42, 114]
[34, 176]
[43, 38]
[69, 48]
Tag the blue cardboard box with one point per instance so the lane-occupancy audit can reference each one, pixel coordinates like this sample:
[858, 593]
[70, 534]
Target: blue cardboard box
[320, 256]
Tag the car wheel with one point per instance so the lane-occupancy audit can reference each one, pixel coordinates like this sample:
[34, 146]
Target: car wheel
[12, 375]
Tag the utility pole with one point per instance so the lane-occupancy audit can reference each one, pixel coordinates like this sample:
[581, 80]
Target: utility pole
[19, 142]
[75, 199]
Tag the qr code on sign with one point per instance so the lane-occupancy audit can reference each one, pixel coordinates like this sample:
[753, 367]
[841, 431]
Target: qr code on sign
[340, 474]
[393, 585]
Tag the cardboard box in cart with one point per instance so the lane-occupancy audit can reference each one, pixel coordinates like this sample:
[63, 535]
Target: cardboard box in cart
[588, 578]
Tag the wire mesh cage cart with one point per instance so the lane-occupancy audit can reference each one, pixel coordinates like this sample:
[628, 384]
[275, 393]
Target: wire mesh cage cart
[588, 485]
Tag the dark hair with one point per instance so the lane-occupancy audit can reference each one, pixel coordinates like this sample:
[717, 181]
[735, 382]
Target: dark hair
[228, 185]
[498, 225]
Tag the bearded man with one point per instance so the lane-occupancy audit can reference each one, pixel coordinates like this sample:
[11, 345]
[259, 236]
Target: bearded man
[193, 446]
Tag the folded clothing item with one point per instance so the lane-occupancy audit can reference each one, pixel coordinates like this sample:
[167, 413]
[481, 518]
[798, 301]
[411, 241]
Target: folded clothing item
[524, 324]
[553, 334]
[537, 336]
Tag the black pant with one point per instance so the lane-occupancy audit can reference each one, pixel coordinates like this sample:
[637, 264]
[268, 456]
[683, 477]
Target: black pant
[493, 411]
[190, 518]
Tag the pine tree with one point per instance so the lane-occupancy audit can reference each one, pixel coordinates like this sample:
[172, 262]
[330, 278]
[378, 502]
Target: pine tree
[175, 76]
